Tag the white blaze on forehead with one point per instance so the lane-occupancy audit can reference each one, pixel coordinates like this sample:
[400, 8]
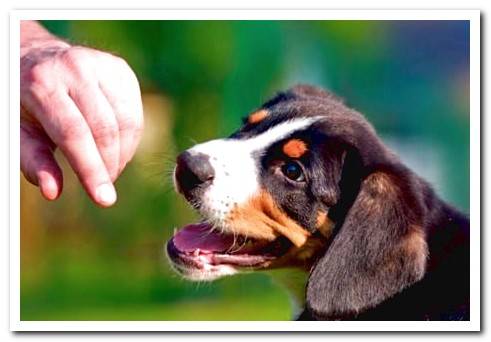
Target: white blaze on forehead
[278, 132]
[236, 171]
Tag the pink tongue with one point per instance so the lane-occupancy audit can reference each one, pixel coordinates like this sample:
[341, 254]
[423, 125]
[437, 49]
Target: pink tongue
[199, 235]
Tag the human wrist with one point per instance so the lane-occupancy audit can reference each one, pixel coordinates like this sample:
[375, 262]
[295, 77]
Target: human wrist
[33, 37]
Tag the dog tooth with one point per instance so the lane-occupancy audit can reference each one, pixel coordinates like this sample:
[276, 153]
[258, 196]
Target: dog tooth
[196, 252]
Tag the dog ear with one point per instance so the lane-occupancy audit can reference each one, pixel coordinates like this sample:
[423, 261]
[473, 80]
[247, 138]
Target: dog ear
[379, 247]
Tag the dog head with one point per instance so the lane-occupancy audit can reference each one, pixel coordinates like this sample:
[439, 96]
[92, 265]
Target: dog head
[304, 182]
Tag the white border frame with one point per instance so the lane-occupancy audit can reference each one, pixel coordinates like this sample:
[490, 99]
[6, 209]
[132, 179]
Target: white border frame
[475, 166]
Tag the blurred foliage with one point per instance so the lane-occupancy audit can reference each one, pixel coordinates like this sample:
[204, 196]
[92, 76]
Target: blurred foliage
[198, 78]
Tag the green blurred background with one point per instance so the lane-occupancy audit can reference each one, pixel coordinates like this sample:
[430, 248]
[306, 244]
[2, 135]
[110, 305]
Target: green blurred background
[198, 78]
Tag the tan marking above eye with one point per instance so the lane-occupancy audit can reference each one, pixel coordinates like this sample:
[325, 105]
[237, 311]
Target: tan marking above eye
[295, 148]
[257, 117]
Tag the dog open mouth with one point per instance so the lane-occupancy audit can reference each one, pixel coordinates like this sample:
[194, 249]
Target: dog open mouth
[200, 246]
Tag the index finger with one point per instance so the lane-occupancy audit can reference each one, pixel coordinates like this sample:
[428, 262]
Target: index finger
[68, 129]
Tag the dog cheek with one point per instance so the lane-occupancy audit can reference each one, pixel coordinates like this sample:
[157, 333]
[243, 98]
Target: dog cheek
[247, 220]
[324, 224]
[262, 218]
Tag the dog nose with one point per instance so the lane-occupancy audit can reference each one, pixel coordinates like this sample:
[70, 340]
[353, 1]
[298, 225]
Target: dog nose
[193, 170]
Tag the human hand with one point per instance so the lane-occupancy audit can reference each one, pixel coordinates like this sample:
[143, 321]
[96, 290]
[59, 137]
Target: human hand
[83, 101]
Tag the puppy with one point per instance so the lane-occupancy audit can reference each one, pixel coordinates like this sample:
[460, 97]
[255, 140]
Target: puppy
[306, 183]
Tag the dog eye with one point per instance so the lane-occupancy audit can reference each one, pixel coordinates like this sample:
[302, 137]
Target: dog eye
[292, 170]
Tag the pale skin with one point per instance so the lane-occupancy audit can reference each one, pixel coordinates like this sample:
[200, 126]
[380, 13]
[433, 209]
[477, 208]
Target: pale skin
[83, 101]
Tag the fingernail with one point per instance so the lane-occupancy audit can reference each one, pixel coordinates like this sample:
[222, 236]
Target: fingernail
[48, 186]
[106, 195]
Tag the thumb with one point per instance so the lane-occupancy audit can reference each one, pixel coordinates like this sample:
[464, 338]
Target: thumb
[38, 164]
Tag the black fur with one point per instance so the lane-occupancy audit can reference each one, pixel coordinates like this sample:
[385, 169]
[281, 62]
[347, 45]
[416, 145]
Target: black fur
[398, 252]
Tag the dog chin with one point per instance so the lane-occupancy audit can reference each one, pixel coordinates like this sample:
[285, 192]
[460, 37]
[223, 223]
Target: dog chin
[200, 253]
[207, 273]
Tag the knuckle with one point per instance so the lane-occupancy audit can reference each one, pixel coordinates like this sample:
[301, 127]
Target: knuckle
[76, 60]
[132, 124]
[121, 62]
[126, 70]
[128, 123]
[105, 134]
[37, 75]
[74, 55]
[43, 160]
[44, 95]
[73, 130]
[113, 61]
